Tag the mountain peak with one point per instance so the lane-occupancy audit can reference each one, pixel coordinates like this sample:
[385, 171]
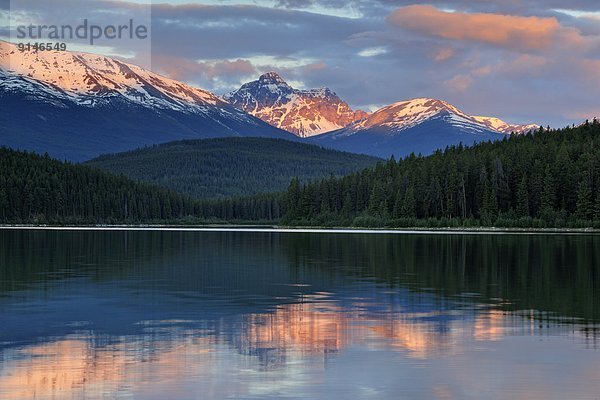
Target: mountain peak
[302, 112]
[93, 79]
[119, 106]
[420, 105]
[407, 114]
[504, 127]
[271, 78]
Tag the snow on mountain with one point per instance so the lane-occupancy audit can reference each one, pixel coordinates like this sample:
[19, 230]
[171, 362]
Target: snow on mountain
[504, 127]
[79, 105]
[407, 114]
[302, 112]
[90, 79]
[419, 125]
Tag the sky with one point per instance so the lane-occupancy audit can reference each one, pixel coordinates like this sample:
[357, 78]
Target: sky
[526, 61]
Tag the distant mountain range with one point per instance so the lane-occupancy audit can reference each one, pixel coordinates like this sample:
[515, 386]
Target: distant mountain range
[420, 126]
[304, 113]
[77, 106]
[313, 112]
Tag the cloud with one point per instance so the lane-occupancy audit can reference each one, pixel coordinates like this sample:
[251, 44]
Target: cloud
[518, 33]
[590, 68]
[522, 60]
[522, 66]
[443, 54]
[372, 52]
[185, 70]
[211, 32]
[462, 82]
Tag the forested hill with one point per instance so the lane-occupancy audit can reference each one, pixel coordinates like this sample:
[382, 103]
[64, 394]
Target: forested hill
[230, 167]
[543, 179]
[38, 189]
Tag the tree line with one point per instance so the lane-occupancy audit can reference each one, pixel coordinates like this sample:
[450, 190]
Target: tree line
[546, 178]
[38, 189]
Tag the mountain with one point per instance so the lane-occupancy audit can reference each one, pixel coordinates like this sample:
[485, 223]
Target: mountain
[420, 126]
[302, 112]
[78, 105]
[498, 125]
[230, 167]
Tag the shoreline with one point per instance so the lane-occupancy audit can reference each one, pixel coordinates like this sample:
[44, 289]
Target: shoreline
[287, 229]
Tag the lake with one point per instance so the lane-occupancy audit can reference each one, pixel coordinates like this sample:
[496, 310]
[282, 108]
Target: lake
[298, 315]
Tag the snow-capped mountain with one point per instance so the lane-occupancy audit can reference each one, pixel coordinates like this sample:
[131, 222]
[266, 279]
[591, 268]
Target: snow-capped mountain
[407, 114]
[78, 105]
[503, 127]
[420, 125]
[92, 80]
[303, 112]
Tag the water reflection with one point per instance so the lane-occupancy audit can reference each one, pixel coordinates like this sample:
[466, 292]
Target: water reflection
[215, 315]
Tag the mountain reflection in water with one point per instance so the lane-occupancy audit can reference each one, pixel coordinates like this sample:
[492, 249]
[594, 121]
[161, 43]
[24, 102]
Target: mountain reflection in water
[258, 315]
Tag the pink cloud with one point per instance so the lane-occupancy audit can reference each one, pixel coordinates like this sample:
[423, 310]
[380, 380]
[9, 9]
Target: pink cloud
[508, 31]
[588, 114]
[462, 82]
[186, 70]
[444, 54]
[459, 83]
[524, 65]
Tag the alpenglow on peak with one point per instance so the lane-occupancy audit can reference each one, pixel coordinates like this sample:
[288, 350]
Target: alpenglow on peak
[304, 113]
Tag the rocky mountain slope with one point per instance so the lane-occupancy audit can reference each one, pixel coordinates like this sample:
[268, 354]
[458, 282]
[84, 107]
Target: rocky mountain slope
[78, 105]
[420, 125]
[302, 112]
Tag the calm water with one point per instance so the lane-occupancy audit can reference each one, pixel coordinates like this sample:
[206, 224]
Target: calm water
[214, 315]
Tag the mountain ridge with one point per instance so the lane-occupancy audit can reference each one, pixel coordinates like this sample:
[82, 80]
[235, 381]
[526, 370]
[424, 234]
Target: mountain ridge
[420, 125]
[406, 114]
[304, 113]
[78, 105]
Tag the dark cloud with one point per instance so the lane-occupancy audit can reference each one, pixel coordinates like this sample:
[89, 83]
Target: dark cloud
[242, 31]
[219, 74]
[75, 13]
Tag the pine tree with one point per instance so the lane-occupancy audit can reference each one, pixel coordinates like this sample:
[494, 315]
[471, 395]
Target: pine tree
[548, 201]
[597, 206]
[585, 208]
[377, 200]
[489, 210]
[462, 197]
[398, 201]
[481, 190]
[409, 203]
[522, 198]
[564, 180]
[292, 198]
